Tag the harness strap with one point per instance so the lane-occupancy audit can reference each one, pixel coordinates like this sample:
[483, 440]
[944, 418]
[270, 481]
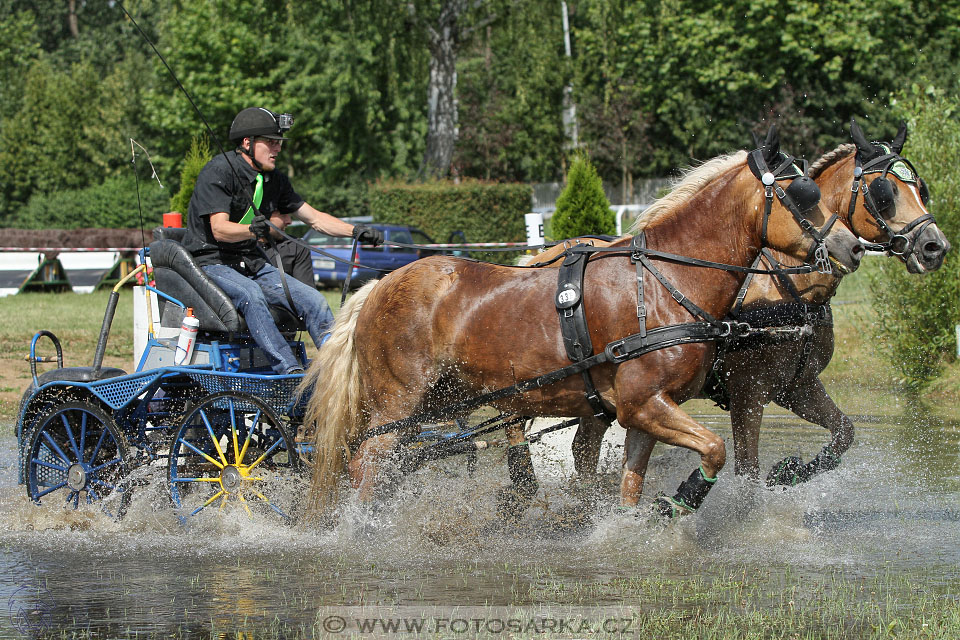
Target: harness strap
[573, 324]
[695, 311]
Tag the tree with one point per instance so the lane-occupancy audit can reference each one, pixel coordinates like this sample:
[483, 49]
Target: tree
[445, 26]
[197, 157]
[582, 208]
[916, 315]
[510, 81]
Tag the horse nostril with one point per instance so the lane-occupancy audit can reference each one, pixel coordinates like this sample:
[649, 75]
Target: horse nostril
[932, 248]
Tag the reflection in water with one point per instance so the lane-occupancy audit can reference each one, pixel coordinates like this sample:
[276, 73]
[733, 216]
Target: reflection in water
[892, 506]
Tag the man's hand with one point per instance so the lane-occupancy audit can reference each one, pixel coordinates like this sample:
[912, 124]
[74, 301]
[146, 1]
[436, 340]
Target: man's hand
[259, 227]
[367, 235]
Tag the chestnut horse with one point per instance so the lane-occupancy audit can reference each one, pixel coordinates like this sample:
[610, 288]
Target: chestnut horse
[786, 370]
[442, 329]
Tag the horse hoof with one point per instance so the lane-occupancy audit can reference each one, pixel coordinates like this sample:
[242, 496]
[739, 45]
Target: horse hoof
[786, 473]
[669, 508]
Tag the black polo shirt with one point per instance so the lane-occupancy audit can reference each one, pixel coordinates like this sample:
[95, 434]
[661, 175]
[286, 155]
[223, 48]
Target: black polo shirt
[222, 188]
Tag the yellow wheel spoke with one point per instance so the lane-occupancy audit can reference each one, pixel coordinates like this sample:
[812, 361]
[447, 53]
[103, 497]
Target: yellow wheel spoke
[244, 502]
[233, 430]
[213, 438]
[246, 443]
[214, 497]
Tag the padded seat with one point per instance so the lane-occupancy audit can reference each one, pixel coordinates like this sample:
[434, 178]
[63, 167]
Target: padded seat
[79, 374]
[178, 275]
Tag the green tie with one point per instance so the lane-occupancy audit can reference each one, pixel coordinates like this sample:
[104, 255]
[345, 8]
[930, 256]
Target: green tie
[257, 199]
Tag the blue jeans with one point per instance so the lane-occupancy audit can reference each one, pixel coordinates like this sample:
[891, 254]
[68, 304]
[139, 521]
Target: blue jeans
[252, 297]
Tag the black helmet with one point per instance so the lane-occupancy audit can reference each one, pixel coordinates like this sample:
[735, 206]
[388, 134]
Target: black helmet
[257, 121]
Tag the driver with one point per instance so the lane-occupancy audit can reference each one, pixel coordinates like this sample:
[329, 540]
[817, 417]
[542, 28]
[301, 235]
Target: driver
[222, 232]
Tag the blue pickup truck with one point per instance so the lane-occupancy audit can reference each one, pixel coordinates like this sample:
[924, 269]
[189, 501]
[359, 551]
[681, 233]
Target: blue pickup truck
[382, 260]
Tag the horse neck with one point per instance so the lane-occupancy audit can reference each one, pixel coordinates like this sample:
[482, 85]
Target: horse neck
[719, 224]
[835, 183]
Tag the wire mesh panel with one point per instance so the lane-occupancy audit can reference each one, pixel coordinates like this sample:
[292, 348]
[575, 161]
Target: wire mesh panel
[279, 392]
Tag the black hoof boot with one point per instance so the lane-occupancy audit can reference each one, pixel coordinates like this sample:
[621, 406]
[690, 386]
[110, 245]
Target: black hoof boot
[787, 473]
[791, 471]
[512, 502]
[689, 496]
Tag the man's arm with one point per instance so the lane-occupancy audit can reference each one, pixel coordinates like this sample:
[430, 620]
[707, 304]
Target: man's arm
[324, 222]
[226, 231]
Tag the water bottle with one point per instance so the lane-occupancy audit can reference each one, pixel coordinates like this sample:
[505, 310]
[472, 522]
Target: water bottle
[188, 338]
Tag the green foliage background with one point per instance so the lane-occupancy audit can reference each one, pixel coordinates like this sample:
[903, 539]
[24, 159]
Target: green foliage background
[582, 208]
[197, 157]
[917, 314]
[484, 212]
[657, 84]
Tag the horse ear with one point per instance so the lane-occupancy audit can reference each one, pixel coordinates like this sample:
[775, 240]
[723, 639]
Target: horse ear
[897, 144]
[865, 148]
[771, 146]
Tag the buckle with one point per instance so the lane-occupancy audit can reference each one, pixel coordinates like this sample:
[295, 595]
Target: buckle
[678, 296]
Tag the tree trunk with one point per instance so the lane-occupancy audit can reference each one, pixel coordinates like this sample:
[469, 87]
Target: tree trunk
[72, 18]
[442, 103]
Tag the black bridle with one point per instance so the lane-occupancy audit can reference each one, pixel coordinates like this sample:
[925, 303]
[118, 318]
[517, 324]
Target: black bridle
[878, 199]
[799, 198]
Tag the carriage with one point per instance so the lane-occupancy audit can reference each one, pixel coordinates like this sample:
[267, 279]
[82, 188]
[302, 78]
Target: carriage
[397, 363]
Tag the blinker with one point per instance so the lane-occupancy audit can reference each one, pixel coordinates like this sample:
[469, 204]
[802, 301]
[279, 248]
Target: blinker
[805, 194]
[881, 190]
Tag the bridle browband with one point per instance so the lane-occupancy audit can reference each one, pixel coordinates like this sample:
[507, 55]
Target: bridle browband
[878, 197]
[798, 198]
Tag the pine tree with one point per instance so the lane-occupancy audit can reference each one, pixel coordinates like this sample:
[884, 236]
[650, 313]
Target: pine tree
[197, 157]
[582, 208]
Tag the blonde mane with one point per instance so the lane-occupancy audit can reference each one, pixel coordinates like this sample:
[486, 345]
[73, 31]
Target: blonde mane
[691, 181]
[830, 158]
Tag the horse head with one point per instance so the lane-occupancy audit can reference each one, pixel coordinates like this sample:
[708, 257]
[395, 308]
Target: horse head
[794, 220]
[893, 208]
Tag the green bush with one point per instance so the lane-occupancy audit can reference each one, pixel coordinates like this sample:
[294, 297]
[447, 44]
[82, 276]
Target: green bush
[197, 157]
[485, 212]
[917, 314]
[111, 205]
[343, 201]
[582, 208]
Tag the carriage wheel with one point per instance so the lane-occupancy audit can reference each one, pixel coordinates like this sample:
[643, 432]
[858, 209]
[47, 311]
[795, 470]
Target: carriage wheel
[77, 454]
[232, 452]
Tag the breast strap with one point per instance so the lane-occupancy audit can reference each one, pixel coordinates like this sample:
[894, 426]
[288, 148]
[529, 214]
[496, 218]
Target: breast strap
[573, 323]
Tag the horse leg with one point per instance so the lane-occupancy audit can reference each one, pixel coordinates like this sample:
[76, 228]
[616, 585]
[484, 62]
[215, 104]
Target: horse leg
[746, 414]
[514, 501]
[586, 445]
[811, 402]
[366, 464]
[637, 447]
[664, 420]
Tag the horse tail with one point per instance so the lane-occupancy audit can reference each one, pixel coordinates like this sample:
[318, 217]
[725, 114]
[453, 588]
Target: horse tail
[333, 412]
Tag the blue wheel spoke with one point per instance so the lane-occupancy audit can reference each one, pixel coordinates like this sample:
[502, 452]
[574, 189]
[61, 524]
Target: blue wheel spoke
[47, 465]
[96, 450]
[83, 434]
[56, 448]
[51, 490]
[69, 429]
[92, 495]
[106, 464]
[199, 453]
[105, 484]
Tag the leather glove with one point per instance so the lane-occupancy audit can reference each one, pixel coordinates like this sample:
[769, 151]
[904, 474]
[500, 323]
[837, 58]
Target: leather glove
[259, 227]
[367, 235]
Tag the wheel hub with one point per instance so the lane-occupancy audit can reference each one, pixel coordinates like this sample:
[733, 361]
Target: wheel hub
[231, 479]
[76, 477]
